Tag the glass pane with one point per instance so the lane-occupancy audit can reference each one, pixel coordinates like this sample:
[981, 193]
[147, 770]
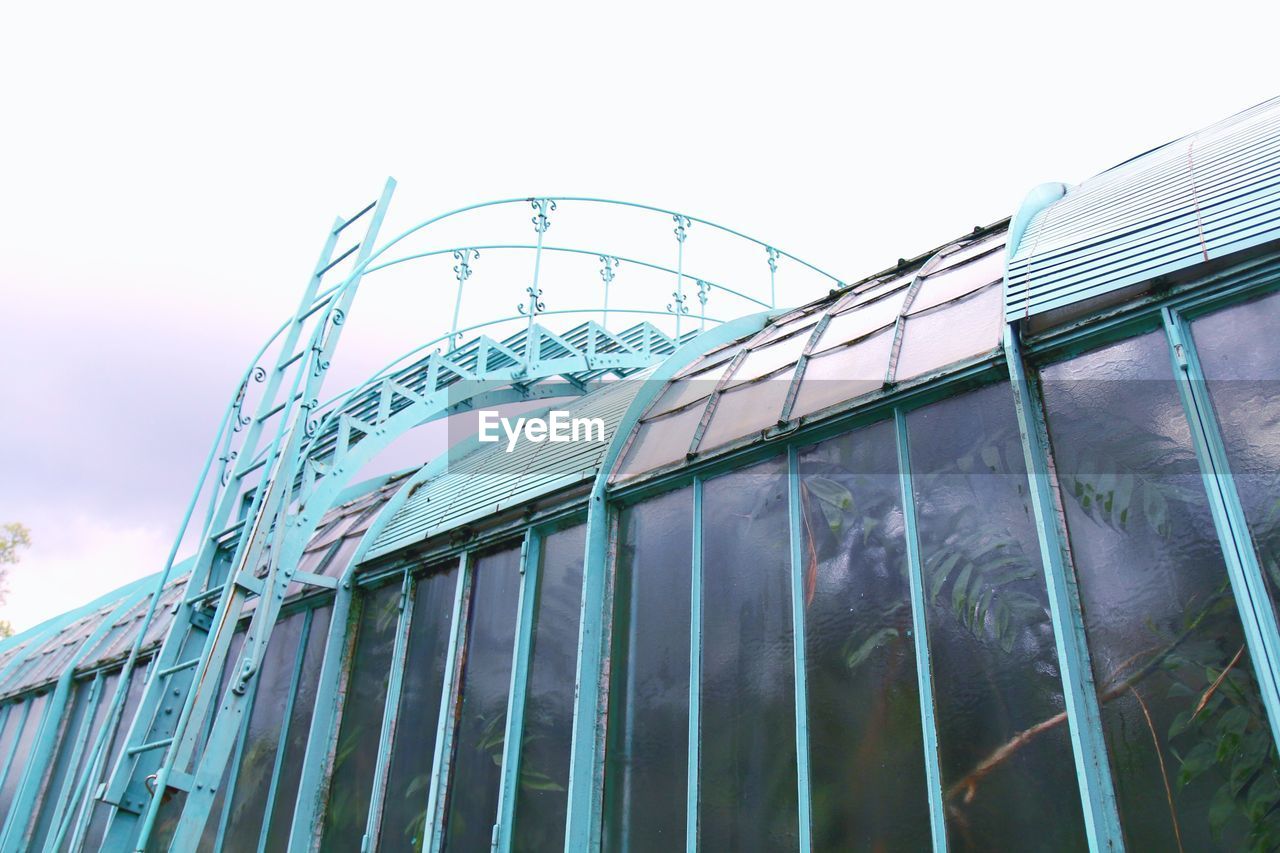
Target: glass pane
[68, 739]
[1190, 747]
[957, 281]
[409, 780]
[682, 392]
[661, 442]
[768, 358]
[22, 750]
[951, 333]
[548, 712]
[746, 409]
[991, 642]
[351, 780]
[646, 758]
[747, 796]
[295, 744]
[866, 754]
[482, 719]
[862, 320]
[843, 374]
[262, 737]
[1238, 353]
[101, 811]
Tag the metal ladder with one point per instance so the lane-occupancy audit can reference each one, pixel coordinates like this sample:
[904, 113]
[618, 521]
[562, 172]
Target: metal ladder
[162, 767]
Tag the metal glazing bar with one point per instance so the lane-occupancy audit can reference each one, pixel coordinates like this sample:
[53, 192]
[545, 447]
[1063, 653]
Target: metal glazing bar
[447, 721]
[390, 709]
[1088, 745]
[920, 633]
[794, 509]
[77, 752]
[1245, 573]
[695, 673]
[322, 734]
[526, 621]
[286, 723]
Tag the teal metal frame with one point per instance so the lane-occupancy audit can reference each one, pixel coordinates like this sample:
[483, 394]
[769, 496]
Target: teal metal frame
[795, 522]
[695, 675]
[1084, 717]
[920, 632]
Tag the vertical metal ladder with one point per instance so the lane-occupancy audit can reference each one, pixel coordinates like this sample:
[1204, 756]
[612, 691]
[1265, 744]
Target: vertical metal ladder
[172, 749]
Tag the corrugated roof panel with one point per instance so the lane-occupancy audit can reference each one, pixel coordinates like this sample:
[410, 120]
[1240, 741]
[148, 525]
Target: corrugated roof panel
[489, 479]
[1196, 199]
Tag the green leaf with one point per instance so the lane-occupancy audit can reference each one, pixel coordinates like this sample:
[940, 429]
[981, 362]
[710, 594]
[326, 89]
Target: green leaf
[869, 645]
[1201, 757]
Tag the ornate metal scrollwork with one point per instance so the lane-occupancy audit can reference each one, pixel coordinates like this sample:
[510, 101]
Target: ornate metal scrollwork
[542, 206]
[608, 268]
[677, 305]
[536, 304]
[773, 258]
[683, 224]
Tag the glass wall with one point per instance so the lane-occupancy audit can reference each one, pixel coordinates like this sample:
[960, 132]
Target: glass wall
[646, 757]
[866, 756]
[1191, 750]
[542, 797]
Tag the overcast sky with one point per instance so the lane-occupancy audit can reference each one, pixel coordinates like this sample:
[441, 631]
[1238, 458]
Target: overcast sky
[167, 174]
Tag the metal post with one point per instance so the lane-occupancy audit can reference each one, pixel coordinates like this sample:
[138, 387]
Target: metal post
[390, 710]
[462, 272]
[920, 633]
[695, 673]
[447, 721]
[1256, 615]
[794, 509]
[1084, 718]
[526, 622]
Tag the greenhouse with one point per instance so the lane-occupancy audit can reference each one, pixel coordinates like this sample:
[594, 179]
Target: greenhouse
[980, 552]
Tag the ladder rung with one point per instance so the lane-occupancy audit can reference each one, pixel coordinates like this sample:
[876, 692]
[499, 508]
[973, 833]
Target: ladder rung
[235, 528]
[333, 263]
[147, 747]
[211, 592]
[291, 359]
[313, 579]
[254, 467]
[250, 583]
[180, 781]
[368, 207]
[178, 667]
[276, 409]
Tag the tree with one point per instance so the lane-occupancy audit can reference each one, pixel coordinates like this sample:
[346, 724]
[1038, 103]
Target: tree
[13, 538]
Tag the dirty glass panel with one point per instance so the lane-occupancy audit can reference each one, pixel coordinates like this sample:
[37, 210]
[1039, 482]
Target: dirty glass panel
[960, 280]
[1238, 353]
[766, 359]
[548, 712]
[101, 811]
[262, 737]
[409, 779]
[482, 719]
[21, 751]
[14, 713]
[866, 755]
[950, 333]
[646, 757]
[747, 758]
[843, 374]
[357, 752]
[59, 780]
[1190, 747]
[862, 320]
[747, 409]
[991, 642]
[661, 441]
[295, 743]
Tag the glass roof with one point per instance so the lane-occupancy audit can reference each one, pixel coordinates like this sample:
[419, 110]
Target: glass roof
[899, 327]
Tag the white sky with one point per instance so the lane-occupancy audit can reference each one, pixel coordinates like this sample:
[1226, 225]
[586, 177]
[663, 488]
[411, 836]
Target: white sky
[166, 176]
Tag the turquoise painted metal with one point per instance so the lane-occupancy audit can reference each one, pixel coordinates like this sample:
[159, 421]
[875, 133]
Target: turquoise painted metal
[920, 635]
[1097, 795]
[695, 675]
[795, 508]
